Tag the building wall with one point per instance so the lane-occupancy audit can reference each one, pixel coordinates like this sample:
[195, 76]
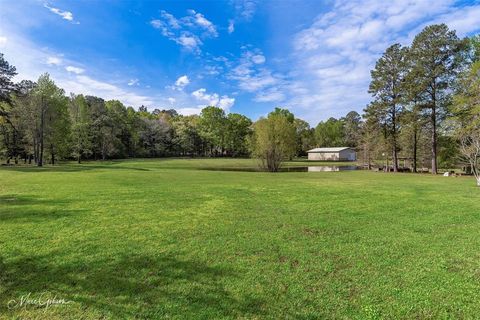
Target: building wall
[325, 156]
[348, 155]
[344, 155]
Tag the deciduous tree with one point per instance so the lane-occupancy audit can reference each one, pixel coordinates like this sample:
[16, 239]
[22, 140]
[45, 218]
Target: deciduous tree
[81, 137]
[466, 109]
[273, 140]
[212, 127]
[330, 133]
[238, 128]
[51, 106]
[304, 135]
[352, 126]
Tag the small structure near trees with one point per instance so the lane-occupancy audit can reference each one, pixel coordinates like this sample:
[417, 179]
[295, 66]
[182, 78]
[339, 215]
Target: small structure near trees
[332, 154]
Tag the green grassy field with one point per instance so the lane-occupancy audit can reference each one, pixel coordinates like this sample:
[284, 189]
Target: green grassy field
[160, 239]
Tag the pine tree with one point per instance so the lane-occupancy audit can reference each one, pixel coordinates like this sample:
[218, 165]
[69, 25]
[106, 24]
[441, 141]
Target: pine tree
[387, 89]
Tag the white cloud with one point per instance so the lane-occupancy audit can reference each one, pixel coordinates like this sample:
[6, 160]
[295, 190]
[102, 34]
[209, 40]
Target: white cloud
[55, 61]
[133, 82]
[180, 83]
[3, 41]
[246, 8]
[172, 100]
[67, 15]
[271, 95]
[189, 111]
[252, 76]
[213, 70]
[262, 79]
[464, 20]
[75, 70]
[226, 102]
[200, 20]
[157, 24]
[258, 59]
[171, 20]
[87, 85]
[186, 31]
[189, 41]
[231, 26]
[199, 94]
[213, 99]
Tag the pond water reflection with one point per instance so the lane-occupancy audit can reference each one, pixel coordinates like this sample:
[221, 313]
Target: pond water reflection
[331, 168]
[286, 169]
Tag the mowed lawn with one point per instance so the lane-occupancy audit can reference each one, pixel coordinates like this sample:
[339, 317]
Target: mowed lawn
[152, 239]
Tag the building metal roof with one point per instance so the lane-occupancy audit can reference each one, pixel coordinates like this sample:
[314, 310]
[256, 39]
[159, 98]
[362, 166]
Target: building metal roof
[326, 150]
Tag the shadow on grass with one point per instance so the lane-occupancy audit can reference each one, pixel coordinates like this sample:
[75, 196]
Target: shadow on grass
[254, 169]
[70, 168]
[27, 208]
[137, 286]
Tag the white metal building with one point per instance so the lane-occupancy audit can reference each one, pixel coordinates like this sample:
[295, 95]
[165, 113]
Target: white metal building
[332, 154]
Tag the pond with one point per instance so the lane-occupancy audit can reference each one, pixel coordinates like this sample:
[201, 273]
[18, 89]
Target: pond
[286, 169]
[332, 168]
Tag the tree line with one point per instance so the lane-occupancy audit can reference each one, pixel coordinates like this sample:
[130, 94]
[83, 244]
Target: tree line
[416, 92]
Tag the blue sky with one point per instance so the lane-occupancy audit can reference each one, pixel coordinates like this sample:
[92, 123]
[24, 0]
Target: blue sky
[246, 56]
